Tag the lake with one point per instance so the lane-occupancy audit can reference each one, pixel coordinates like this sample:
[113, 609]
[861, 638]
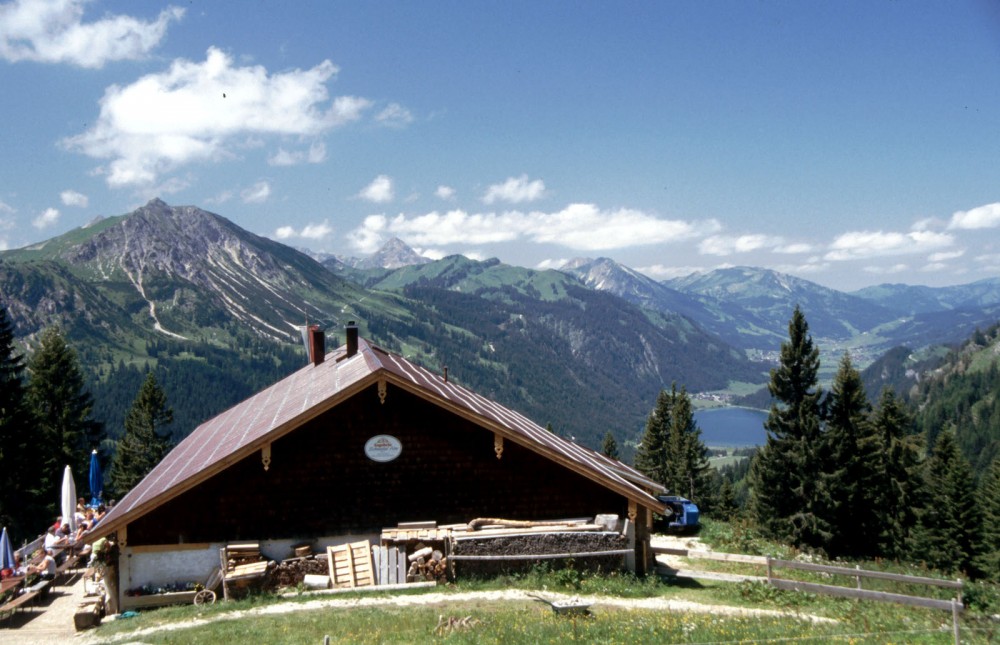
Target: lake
[735, 427]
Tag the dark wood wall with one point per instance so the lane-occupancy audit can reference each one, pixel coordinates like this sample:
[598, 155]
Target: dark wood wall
[321, 483]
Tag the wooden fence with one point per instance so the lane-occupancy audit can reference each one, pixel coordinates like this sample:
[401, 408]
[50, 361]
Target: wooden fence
[857, 573]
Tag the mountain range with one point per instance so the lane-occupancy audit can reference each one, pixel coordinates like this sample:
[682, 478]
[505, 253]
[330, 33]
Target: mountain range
[218, 312]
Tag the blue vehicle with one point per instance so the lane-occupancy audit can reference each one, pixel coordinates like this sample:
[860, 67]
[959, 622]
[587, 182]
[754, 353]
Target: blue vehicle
[682, 514]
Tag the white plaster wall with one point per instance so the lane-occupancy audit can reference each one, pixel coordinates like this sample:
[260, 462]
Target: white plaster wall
[195, 565]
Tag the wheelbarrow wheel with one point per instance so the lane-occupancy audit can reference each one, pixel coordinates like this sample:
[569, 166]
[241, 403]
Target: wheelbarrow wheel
[204, 597]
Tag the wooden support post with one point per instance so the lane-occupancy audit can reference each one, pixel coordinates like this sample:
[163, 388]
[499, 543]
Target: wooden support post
[858, 577]
[954, 621]
[769, 569]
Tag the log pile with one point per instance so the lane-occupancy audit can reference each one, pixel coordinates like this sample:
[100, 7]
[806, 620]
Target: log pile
[291, 573]
[427, 563]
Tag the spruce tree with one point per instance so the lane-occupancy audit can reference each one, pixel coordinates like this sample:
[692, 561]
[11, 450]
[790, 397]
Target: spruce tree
[61, 405]
[687, 457]
[949, 530]
[21, 507]
[989, 495]
[787, 496]
[850, 473]
[898, 480]
[609, 447]
[651, 456]
[144, 443]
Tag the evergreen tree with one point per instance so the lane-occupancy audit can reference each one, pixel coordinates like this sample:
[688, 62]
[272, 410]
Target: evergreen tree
[898, 480]
[61, 406]
[787, 496]
[144, 442]
[850, 473]
[949, 530]
[687, 457]
[672, 451]
[21, 508]
[651, 456]
[989, 495]
[610, 447]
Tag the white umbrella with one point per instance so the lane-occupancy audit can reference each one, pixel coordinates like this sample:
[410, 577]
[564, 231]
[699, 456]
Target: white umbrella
[69, 499]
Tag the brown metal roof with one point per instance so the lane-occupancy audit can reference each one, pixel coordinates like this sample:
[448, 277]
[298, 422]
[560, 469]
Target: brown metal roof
[232, 435]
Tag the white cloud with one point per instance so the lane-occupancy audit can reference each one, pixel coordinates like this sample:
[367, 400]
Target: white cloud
[987, 216]
[944, 256]
[379, 191]
[73, 198]
[6, 208]
[866, 244]
[256, 194]
[311, 231]
[367, 238]
[394, 116]
[795, 248]
[515, 190]
[728, 245]
[197, 112]
[433, 254]
[4, 244]
[53, 31]
[445, 192]
[551, 263]
[663, 272]
[315, 154]
[47, 218]
[581, 227]
[887, 270]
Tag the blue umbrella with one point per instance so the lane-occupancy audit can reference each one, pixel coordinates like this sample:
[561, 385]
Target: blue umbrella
[96, 480]
[6, 551]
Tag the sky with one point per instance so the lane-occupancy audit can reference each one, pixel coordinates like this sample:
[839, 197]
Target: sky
[848, 143]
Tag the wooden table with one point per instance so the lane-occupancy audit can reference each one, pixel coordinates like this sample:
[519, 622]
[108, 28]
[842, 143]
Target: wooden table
[10, 583]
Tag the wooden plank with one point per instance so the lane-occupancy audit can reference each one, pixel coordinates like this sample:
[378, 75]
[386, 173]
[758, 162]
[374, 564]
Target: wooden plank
[157, 548]
[541, 556]
[351, 564]
[427, 524]
[864, 594]
[400, 566]
[727, 557]
[538, 530]
[863, 573]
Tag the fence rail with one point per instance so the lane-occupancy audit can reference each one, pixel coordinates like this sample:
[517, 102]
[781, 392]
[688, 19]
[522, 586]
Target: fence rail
[856, 573]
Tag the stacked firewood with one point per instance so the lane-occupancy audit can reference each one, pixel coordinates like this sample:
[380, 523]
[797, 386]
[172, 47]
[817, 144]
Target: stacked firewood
[427, 563]
[292, 572]
[241, 554]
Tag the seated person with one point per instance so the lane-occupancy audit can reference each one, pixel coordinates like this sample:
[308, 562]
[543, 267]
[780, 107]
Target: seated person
[54, 540]
[46, 569]
[102, 510]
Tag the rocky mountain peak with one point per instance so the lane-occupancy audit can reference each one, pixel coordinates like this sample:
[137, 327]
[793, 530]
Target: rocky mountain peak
[394, 254]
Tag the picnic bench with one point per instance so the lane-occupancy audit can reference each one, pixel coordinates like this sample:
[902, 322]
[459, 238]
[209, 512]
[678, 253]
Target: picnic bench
[30, 594]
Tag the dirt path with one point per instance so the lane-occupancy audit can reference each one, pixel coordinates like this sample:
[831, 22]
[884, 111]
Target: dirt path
[435, 598]
[49, 622]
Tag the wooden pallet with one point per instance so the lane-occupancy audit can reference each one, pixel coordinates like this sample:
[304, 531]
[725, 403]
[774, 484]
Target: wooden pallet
[351, 565]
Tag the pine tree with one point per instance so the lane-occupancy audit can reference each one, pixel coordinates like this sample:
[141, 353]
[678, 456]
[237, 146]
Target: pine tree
[787, 498]
[21, 508]
[949, 530]
[898, 481]
[143, 444]
[989, 494]
[609, 448]
[850, 473]
[61, 405]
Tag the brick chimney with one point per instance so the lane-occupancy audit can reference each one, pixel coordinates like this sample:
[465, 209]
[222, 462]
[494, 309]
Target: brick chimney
[352, 338]
[317, 344]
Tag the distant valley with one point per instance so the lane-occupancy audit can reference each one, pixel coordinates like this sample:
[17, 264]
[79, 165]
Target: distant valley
[219, 310]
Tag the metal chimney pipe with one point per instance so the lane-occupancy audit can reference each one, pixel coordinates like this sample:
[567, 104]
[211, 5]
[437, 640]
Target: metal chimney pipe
[352, 338]
[317, 344]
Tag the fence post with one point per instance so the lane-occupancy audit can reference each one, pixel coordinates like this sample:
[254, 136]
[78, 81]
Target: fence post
[768, 569]
[959, 581]
[954, 620]
[858, 577]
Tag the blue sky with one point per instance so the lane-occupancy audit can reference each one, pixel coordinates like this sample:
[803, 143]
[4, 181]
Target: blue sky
[849, 143]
